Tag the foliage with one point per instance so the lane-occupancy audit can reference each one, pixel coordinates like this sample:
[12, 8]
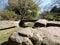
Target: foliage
[24, 8]
[56, 12]
[8, 15]
[51, 16]
[48, 15]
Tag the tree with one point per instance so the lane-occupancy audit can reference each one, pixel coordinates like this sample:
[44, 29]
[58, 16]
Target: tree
[56, 12]
[24, 7]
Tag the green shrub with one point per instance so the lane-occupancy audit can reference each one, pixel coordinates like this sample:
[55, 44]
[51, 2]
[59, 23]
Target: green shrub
[8, 15]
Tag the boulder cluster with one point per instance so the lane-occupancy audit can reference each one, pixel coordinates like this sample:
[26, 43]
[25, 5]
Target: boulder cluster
[39, 36]
[47, 33]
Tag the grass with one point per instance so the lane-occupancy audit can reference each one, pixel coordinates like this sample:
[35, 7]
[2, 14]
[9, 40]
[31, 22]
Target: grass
[30, 24]
[4, 34]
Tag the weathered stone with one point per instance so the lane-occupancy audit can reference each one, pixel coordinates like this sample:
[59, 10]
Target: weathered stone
[40, 23]
[38, 36]
[52, 35]
[27, 35]
[53, 23]
[19, 39]
[8, 24]
[45, 23]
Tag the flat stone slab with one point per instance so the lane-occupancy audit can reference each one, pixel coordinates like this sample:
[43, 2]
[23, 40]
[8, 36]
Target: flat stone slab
[7, 24]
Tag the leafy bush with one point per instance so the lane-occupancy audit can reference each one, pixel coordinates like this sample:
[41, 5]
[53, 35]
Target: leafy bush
[8, 15]
[51, 16]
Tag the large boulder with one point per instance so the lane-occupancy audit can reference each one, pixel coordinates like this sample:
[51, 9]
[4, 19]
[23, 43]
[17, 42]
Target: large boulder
[39, 36]
[52, 35]
[24, 36]
[40, 23]
[46, 23]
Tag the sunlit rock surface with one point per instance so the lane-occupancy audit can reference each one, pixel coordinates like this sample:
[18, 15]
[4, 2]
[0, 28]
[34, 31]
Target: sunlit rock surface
[8, 24]
[38, 36]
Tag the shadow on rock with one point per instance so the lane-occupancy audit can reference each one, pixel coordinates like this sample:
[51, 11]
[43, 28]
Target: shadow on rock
[4, 43]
